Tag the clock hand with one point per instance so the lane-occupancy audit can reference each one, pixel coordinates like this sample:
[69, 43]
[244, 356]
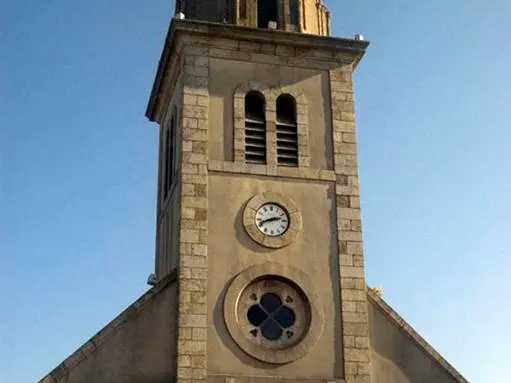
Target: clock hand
[269, 220]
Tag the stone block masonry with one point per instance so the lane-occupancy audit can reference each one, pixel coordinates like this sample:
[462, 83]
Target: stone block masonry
[193, 272]
[357, 365]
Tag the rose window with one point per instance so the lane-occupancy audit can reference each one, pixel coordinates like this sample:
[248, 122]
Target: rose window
[274, 313]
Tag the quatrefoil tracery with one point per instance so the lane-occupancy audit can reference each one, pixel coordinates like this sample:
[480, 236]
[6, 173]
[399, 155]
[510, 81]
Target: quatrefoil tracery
[271, 317]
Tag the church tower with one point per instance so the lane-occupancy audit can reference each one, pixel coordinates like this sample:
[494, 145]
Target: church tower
[258, 197]
[259, 272]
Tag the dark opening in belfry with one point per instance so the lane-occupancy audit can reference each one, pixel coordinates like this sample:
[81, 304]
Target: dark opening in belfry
[267, 10]
[294, 12]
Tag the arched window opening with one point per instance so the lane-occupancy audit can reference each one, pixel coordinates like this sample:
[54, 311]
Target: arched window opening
[294, 12]
[287, 131]
[166, 165]
[255, 128]
[171, 156]
[267, 10]
[179, 6]
[175, 147]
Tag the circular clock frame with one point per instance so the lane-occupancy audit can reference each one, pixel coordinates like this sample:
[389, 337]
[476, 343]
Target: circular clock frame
[287, 204]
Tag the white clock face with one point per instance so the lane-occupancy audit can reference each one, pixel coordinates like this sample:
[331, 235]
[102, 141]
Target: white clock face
[272, 220]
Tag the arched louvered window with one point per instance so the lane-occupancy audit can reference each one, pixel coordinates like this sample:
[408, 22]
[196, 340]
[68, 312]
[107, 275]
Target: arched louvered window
[166, 165]
[171, 153]
[255, 128]
[287, 131]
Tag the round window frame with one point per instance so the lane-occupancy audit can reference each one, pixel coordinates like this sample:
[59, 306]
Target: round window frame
[272, 242]
[297, 278]
[300, 307]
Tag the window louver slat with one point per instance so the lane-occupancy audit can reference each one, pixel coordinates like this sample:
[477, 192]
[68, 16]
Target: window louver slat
[254, 120]
[286, 140]
[286, 129]
[255, 131]
[288, 147]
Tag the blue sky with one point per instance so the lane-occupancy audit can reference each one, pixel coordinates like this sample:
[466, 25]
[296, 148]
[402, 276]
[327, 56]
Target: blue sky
[78, 170]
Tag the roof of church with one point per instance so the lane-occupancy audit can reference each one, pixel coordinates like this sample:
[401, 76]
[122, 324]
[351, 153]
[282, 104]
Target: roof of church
[406, 328]
[97, 340]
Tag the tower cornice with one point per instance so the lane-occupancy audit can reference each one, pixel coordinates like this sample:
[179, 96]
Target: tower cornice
[324, 48]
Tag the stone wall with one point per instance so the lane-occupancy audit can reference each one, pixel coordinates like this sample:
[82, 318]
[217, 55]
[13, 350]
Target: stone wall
[138, 346]
[193, 252]
[349, 229]
[399, 354]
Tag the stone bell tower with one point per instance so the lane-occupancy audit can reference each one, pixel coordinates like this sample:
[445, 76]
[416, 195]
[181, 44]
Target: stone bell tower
[258, 206]
[259, 273]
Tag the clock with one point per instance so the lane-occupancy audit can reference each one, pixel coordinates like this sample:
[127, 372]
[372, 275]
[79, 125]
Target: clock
[272, 219]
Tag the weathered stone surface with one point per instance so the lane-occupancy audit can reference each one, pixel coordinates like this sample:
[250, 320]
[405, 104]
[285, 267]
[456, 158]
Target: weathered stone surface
[355, 328]
[357, 355]
[193, 261]
[192, 321]
[189, 236]
[352, 272]
[188, 347]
